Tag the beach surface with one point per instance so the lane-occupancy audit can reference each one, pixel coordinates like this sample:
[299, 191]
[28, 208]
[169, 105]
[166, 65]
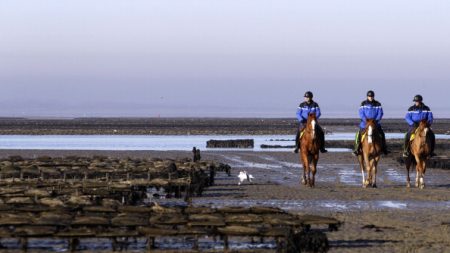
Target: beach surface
[390, 218]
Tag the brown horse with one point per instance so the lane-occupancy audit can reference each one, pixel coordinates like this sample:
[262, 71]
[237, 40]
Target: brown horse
[370, 155]
[420, 151]
[309, 155]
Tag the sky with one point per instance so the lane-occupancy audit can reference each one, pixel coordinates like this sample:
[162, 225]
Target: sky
[216, 58]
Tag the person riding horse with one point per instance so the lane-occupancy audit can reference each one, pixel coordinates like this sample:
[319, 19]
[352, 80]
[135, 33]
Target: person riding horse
[304, 109]
[416, 113]
[370, 109]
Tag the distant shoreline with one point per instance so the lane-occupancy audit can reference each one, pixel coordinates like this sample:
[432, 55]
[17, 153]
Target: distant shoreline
[189, 126]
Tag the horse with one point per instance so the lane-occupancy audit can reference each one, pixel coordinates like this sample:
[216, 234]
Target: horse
[309, 146]
[420, 151]
[370, 154]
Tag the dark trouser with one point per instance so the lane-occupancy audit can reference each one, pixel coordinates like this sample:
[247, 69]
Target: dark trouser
[431, 139]
[383, 139]
[319, 133]
[382, 135]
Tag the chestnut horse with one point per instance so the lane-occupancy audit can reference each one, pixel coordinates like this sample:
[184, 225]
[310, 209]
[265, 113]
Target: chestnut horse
[370, 153]
[420, 151]
[309, 155]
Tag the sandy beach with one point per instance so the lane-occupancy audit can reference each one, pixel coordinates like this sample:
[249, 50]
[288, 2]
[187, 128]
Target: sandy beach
[390, 218]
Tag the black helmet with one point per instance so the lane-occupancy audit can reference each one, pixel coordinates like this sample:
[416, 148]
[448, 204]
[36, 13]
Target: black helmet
[417, 98]
[308, 94]
[370, 93]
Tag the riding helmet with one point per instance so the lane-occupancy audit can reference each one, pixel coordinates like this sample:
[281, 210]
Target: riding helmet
[417, 98]
[370, 93]
[308, 94]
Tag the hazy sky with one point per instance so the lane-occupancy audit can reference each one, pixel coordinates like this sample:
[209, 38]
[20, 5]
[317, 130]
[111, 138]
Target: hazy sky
[222, 58]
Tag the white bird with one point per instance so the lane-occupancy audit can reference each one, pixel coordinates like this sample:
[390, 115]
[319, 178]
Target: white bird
[243, 175]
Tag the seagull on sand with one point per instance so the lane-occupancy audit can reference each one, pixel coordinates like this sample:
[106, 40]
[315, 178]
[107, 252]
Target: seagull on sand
[243, 175]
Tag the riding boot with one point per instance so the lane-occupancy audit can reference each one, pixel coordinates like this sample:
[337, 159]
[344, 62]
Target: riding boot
[432, 139]
[406, 151]
[321, 136]
[383, 141]
[297, 141]
[357, 143]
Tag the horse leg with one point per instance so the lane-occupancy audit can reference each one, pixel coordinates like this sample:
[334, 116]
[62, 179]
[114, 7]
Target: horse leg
[314, 169]
[422, 173]
[408, 166]
[368, 170]
[361, 165]
[417, 170]
[309, 171]
[305, 168]
[375, 165]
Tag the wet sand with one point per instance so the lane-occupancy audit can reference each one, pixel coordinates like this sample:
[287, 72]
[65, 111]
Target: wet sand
[390, 218]
[194, 126]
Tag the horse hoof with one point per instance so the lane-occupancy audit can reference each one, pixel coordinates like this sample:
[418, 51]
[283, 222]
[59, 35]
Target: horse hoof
[374, 186]
[408, 185]
[422, 186]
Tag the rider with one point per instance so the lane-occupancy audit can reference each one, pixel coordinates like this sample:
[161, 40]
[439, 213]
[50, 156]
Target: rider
[416, 113]
[304, 109]
[370, 109]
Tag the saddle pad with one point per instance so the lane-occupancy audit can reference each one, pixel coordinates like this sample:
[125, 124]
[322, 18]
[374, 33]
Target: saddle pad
[413, 135]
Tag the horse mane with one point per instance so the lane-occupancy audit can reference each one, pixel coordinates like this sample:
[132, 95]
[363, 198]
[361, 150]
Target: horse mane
[312, 116]
[370, 122]
[423, 124]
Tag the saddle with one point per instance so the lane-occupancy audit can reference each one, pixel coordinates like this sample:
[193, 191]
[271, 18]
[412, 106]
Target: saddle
[414, 133]
[302, 132]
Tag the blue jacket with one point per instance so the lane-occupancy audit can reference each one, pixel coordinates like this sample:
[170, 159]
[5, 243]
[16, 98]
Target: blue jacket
[304, 109]
[416, 114]
[370, 110]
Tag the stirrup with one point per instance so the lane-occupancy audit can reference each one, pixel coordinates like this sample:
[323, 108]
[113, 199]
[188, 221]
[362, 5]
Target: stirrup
[295, 150]
[355, 153]
[406, 154]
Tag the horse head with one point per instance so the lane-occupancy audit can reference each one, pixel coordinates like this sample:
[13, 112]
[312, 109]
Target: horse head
[423, 128]
[371, 126]
[311, 123]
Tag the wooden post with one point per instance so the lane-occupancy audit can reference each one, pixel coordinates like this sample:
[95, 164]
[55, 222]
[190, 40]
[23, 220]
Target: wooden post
[150, 243]
[195, 246]
[226, 246]
[24, 244]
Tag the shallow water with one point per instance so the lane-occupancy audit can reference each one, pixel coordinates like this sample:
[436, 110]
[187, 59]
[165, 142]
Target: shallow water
[134, 245]
[154, 142]
[328, 205]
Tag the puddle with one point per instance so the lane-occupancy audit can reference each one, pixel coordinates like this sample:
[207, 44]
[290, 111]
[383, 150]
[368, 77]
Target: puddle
[138, 244]
[329, 205]
[238, 162]
[394, 176]
[349, 175]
